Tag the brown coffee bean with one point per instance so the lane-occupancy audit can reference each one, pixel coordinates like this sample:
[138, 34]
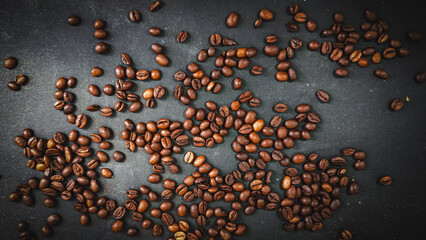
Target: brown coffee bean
[232, 20]
[386, 180]
[381, 73]
[182, 36]
[134, 16]
[396, 104]
[215, 39]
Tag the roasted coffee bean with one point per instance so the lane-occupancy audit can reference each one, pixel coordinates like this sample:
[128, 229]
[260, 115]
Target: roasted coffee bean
[266, 15]
[326, 48]
[74, 20]
[134, 16]
[414, 36]
[20, 79]
[81, 121]
[182, 36]
[341, 72]
[215, 39]
[396, 104]
[232, 20]
[300, 17]
[389, 53]
[12, 85]
[322, 96]
[100, 34]
[420, 77]
[155, 31]
[101, 47]
[162, 60]
[381, 73]
[292, 27]
[256, 70]
[155, 6]
[10, 63]
[280, 107]
[311, 25]
[386, 180]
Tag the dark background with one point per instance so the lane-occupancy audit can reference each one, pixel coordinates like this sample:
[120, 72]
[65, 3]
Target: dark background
[36, 32]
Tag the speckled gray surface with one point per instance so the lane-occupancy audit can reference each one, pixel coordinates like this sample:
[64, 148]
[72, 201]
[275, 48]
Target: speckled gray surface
[37, 34]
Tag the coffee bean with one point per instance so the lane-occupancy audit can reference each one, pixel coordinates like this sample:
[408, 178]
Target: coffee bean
[256, 70]
[386, 180]
[107, 111]
[134, 16]
[182, 36]
[81, 121]
[300, 17]
[414, 36]
[396, 104]
[258, 23]
[94, 90]
[99, 24]
[155, 6]
[10, 63]
[74, 20]
[106, 173]
[322, 96]
[100, 34]
[266, 15]
[292, 27]
[20, 79]
[313, 45]
[155, 31]
[101, 47]
[162, 60]
[46, 231]
[215, 39]
[353, 188]
[232, 20]
[326, 48]
[53, 219]
[311, 25]
[228, 42]
[381, 73]
[341, 72]
[12, 85]
[280, 107]
[420, 77]
[389, 53]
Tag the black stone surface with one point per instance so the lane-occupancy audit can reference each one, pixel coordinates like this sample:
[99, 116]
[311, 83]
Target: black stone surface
[37, 34]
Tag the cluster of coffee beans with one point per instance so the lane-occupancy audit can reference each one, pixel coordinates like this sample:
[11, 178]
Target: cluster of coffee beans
[65, 101]
[216, 39]
[299, 17]
[284, 70]
[24, 232]
[60, 159]
[101, 34]
[344, 48]
[18, 80]
[198, 78]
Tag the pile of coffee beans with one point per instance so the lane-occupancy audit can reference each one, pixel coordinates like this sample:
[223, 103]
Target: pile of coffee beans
[343, 49]
[310, 184]
[300, 17]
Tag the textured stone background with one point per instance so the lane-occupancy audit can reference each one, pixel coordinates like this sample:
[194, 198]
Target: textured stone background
[36, 32]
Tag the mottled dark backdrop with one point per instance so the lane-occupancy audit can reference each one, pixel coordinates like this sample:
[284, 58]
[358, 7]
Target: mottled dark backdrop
[36, 32]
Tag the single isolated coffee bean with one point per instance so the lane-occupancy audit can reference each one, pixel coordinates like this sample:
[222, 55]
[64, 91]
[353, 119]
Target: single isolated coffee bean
[420, 77]
[381, 73]
[232, 20]
[10, 63]
[322, 96]
[414, 36]
[396, 104]
[74, 20]
[386, 180]
[182, 36]
[134, 16]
